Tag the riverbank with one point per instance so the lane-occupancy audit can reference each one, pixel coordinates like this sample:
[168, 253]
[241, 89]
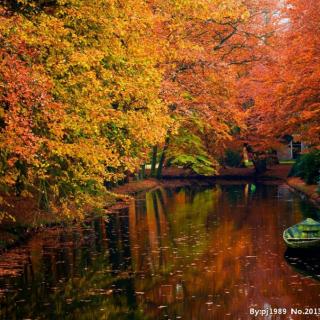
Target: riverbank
[29, 219]
[308, 191]
[23, 218]
[168, 246]
[276, 172]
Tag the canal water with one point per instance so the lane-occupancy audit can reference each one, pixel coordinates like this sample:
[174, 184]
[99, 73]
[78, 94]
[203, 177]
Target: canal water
[186, 253]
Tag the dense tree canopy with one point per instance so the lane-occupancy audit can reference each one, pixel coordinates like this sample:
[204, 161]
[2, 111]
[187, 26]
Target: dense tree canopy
[79, 95]
[283, 84]
[88, 88]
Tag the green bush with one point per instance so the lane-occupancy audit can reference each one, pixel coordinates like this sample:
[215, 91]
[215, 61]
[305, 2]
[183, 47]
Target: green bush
[307, 167]
[187, 150]
[200, 164]
[233, 158]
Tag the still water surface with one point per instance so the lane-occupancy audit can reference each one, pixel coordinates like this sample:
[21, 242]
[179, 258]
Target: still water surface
[188, 253]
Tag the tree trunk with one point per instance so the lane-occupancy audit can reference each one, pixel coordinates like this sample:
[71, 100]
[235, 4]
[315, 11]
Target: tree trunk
[260, 165]
[163, 157]
[143, 171]
[154, 161]
[126, 176]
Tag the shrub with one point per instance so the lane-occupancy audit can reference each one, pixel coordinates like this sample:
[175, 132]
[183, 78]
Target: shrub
[307, 167]
[233, 158]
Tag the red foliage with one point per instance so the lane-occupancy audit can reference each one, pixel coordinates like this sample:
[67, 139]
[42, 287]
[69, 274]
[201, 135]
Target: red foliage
[284, 85]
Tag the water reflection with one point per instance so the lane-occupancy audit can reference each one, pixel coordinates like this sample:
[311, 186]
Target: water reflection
[188, 253]
[306, 263]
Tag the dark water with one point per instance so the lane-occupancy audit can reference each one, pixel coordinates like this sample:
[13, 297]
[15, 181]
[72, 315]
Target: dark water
[190, 253]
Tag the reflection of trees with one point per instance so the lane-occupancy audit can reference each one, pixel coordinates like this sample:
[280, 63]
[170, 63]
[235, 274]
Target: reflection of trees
[208, 272]
[170, 223]
[189, 250]
[77, 273]
[306, 263]
[308, 210]
[236, 265]
[119, 244]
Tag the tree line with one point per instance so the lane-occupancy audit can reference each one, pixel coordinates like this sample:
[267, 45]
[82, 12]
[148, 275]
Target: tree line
[91, 91]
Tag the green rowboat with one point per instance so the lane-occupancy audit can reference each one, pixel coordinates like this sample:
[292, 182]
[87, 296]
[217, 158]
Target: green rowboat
[303, 235]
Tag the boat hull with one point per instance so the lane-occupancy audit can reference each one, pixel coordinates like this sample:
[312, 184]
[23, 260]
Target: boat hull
[304, 235]
[302, 243]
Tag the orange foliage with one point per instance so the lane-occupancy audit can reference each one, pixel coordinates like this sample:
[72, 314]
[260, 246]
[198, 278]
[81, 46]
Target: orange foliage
[284, 84]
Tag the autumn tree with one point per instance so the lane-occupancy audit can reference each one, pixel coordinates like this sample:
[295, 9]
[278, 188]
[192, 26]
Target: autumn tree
[283, 86]
[80, 105]
[208, 46]
[89, 88]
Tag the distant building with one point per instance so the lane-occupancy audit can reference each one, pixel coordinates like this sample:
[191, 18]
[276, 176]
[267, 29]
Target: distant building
[290, 149]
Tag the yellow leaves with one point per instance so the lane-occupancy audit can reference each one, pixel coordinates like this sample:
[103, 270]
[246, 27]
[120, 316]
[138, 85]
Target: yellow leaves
[107, 71]
[245, 15]
[186, 95]
[9, 180]
[87, 59]
[183, 11]
[233, 9]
